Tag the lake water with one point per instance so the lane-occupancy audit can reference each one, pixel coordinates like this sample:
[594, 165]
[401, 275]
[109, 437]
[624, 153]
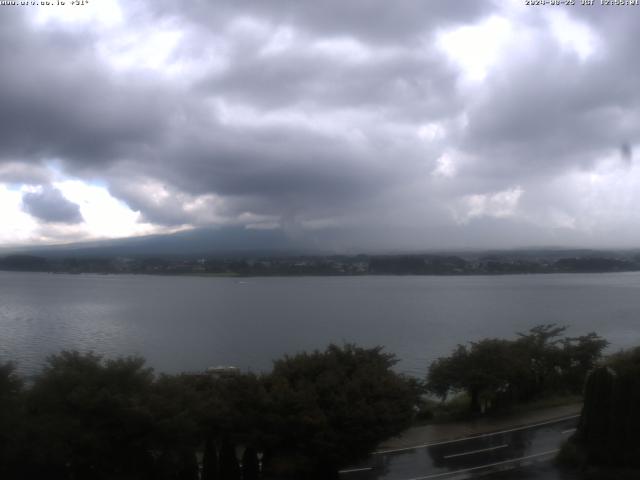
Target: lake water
[190, 323]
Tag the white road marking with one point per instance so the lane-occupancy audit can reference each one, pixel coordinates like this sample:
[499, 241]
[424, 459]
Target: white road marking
[471, 452]
[353, 470]
[489, 465]
[484, 435]
[571, 430]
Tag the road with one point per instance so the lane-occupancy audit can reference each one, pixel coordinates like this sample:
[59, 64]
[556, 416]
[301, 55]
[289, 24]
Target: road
[527, 449]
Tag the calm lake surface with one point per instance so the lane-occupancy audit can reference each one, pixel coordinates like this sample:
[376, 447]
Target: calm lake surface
[190, 323]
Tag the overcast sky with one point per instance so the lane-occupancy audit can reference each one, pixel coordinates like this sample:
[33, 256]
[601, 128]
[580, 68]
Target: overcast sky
[368, 123]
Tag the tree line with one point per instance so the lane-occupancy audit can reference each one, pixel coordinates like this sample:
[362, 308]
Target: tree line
[84, 417]
[293, 265]
[496, 373]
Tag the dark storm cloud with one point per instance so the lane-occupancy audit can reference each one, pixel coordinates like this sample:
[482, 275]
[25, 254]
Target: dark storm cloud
[58, 101]
[376, 21]
[626, 152]
[273, 162]
[556, 111]
[312, 111]
[406, 85]
[164, 211]
[21, 173]
[49, 205]
[67, 105]
[270, 171]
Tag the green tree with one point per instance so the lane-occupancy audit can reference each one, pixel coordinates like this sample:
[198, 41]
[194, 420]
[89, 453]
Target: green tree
[539, 349]
[498, 372]
[483, 370]
[580, 355]
[333, 407]
[607, 434]
[89, 418]
[11, 422]
[210, 465]
[176, 409]
[230, 408]
[229, 467]
[610, 421]
[595, 421]
[250, 470]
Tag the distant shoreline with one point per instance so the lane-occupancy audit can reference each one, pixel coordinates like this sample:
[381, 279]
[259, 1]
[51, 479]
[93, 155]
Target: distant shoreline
[311, 275]
[505, 263]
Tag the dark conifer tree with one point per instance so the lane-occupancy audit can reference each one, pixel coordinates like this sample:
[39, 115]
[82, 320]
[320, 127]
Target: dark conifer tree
[210, 465]
[229, 467]
[596, 412]
[250, 464]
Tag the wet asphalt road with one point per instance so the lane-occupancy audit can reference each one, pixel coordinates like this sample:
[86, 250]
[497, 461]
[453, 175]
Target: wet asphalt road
[523, 452]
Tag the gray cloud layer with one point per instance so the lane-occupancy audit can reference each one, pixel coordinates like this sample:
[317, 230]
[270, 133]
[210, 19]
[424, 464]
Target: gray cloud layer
[310, 113]
[49, 205]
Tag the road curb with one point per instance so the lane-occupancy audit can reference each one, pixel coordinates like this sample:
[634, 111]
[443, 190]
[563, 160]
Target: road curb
[467, 430]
